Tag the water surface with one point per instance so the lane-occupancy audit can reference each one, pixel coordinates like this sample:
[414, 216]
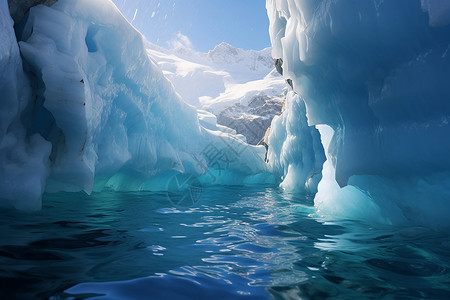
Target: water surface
[230, 243]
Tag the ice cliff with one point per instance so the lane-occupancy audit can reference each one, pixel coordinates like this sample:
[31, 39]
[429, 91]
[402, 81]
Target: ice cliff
[86, 108]
[23, 157]
[377, 73]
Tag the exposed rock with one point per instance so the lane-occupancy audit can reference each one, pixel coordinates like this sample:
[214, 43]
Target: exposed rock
[18, 8]
[253, 120]
[265, 142]
[278, 62]
[289, 82]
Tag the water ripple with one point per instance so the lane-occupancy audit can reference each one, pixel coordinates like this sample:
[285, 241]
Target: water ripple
[235, 243]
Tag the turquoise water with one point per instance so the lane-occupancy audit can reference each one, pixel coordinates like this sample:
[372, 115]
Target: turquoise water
[226, 243]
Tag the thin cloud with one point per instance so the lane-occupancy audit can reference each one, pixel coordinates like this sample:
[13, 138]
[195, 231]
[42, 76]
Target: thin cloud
[180, 41]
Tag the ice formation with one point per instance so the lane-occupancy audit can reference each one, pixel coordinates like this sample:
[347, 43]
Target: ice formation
[92, 110]
[83, 107]
[377, 73]
[23, 158]
[295, 153]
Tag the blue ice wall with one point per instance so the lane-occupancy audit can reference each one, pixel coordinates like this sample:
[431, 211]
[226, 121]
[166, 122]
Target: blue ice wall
[377, 73]
[23, 158]
[86, 108]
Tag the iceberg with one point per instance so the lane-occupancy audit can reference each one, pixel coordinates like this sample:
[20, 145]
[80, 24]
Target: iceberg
[376, 73]
[87, 109]
[23, 157]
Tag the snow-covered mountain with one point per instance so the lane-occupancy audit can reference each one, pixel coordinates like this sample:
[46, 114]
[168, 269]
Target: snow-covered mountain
[239, 86]
[251, 60]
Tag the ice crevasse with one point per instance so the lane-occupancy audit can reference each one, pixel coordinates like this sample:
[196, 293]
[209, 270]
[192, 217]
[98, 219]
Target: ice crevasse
[375, 79]
[86, 108]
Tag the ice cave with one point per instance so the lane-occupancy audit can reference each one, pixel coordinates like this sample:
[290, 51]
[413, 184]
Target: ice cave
[137, 166]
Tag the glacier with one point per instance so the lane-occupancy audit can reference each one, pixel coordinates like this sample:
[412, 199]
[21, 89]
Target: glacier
[200, 77]
[364, 125]
[86, 109]
[374, 79]
[240, 87]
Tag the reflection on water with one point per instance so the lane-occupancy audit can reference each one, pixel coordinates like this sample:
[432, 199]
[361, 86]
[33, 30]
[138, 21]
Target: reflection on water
[233, 243]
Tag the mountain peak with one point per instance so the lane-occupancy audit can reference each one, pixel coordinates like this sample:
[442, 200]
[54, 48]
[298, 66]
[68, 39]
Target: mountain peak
[224, 53]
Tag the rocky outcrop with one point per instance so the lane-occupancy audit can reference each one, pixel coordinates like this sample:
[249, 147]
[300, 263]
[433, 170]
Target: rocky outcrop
[18, 8]
[278, 62]
[265, 142]
[253, 120]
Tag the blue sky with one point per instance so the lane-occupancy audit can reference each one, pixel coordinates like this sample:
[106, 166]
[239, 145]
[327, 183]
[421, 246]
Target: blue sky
[205, 23]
